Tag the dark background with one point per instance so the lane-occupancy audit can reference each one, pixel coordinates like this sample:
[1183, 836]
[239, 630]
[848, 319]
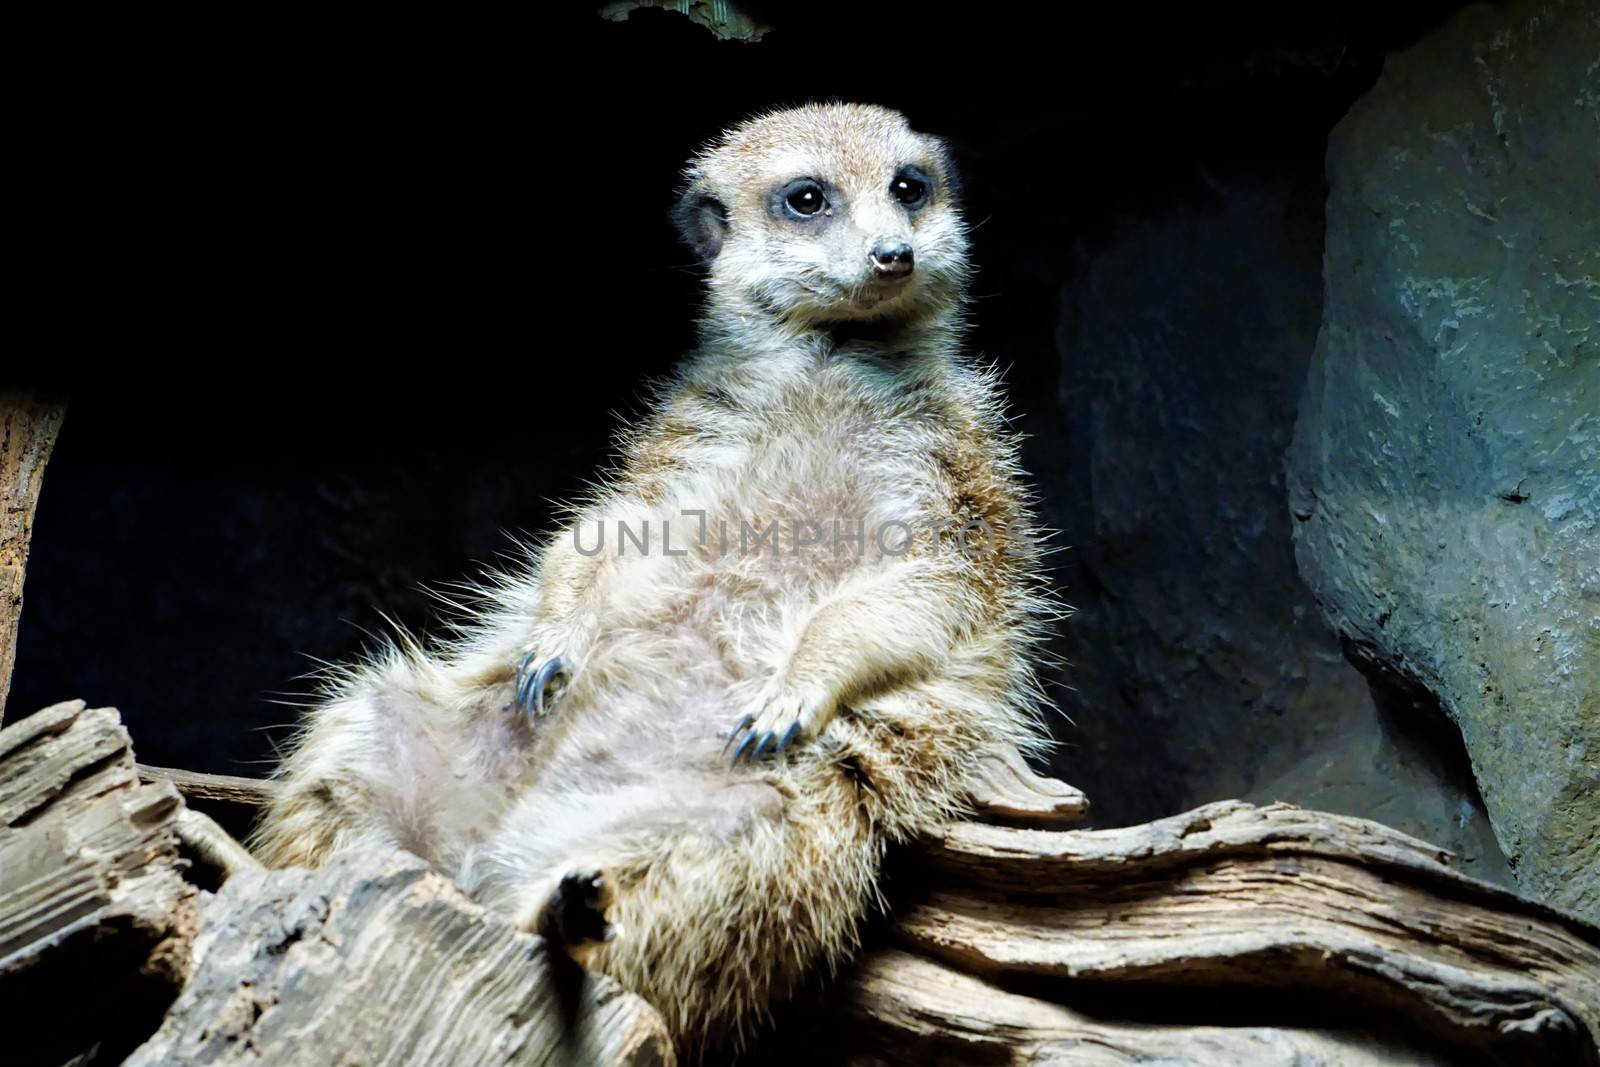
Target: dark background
[358, 300]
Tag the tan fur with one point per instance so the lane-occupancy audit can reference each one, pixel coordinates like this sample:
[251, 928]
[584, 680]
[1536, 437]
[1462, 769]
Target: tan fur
[727, 886]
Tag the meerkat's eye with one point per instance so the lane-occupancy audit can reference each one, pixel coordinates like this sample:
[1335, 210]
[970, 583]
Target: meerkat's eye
[910, 187]
[805, 199]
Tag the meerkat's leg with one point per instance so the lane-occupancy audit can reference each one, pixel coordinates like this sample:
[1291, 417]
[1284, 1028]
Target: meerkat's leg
[360, 772]
[875, 630]
[710, 924]
[569, 582]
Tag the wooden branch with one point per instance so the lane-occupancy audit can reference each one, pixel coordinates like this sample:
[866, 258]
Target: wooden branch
[374, 959]
[1231, 897]
[996, 856]
[221, 788]
[28, 428]
[214, 845]
[1006, 791]
[909, 1010]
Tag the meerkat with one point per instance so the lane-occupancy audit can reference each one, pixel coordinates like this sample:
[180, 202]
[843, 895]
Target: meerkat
[774, 641]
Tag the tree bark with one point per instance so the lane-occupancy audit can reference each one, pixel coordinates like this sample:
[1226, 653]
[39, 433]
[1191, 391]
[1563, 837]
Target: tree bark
[912, 1010]
[375, 959]
[95, 908]
[28, 428]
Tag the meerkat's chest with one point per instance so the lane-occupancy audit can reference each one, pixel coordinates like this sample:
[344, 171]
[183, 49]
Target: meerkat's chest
[824, 484]
[825, 488]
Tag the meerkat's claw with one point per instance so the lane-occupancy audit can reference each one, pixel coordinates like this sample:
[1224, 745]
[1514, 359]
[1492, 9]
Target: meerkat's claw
[553, 667]
[738, 728]
[739, 752]
[523, 676]
[532, 686]
[523, 664]
[759, 743]
[768, 740]
[784, 717]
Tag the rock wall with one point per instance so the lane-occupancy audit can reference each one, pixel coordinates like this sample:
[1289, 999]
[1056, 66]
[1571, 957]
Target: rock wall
[1445, 472]
[1201, 669]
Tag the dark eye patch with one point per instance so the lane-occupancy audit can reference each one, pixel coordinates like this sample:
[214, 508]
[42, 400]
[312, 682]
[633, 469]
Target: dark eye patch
[911, 186]
[805, 201]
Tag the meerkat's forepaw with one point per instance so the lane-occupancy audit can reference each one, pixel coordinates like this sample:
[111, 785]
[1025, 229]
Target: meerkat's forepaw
[783, 715]
[539, 684]
[573, 915]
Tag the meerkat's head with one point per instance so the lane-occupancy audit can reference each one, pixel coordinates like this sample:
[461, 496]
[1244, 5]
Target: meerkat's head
[828, 214]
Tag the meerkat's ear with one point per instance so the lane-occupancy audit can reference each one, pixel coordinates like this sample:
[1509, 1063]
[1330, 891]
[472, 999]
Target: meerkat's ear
[702, 220]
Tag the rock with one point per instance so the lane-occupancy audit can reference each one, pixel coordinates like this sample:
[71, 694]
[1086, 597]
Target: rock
[1403, 774]
[1197, 658]
[1445, 471]
[1201, 669]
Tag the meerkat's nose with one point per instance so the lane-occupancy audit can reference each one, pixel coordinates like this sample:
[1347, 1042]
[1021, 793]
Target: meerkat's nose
[891, 257]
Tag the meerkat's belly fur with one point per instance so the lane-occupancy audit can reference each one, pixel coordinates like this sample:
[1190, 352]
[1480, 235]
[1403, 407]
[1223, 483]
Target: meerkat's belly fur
[891, 655]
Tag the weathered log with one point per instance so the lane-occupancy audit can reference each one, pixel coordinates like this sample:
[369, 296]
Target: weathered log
[28, 428]
[1228, 935]
[374, 959]
[911, 1010]
[1007, 791]
[94, 905]
[82, 844]
[1231, 897]
[220, 788]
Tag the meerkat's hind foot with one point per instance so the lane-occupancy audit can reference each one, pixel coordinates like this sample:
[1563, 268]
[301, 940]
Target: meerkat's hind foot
[573, 916]
[533, 684]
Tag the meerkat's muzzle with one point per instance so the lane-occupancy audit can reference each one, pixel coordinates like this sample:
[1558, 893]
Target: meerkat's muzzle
[891, 258]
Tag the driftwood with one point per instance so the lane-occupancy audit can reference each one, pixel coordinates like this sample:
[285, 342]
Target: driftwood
[1007, 791]
[28, 428]
[374, 960]
[1228, 935]
[83, 844]
[94, 905]
[912, 1010]
[216, 788]
[1274, 912]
